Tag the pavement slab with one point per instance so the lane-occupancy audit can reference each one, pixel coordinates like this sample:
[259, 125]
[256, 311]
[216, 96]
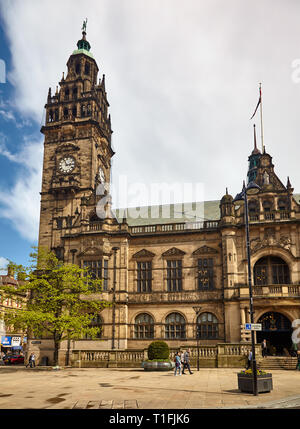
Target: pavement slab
[132, 388]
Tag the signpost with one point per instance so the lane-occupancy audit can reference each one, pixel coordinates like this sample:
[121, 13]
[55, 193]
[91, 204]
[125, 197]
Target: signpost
[253, 326]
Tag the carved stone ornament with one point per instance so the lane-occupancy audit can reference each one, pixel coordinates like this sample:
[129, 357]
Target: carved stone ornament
[173, 252]
[91, 251]
[204, 250]
[143, 254]
[67, 147]
[284, 242]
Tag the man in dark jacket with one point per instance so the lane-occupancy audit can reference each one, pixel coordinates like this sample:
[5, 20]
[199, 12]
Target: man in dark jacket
[187, 361]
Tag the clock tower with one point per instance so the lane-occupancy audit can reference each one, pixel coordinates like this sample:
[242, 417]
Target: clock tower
[77, 152]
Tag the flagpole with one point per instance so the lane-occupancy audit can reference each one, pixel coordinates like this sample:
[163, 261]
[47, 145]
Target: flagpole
[261, 121]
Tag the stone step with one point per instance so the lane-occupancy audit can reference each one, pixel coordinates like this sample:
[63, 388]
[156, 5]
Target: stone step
[277, 362]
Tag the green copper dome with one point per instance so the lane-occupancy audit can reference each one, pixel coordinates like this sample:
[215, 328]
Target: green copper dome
[82, 44]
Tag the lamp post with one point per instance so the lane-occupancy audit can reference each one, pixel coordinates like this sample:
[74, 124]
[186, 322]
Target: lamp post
[197, 311]
[241, 198]
[115, 249]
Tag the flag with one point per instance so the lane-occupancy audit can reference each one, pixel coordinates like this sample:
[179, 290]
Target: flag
[259, 101]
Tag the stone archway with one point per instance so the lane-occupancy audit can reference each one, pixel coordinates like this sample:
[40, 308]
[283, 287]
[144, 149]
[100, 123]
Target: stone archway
[277, 330]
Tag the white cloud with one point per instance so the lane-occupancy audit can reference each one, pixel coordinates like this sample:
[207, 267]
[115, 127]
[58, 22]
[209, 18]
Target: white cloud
[182, 81]
[3, 265]
[21, 203]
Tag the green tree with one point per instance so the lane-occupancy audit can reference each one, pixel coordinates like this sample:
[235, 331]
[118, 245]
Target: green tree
[62, 299]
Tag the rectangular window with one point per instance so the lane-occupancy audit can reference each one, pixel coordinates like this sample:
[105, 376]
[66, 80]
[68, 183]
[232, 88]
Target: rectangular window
[95, 268]
[98, 270]
[144, 276]
[205, 274]
[105, 274]
[174, 275]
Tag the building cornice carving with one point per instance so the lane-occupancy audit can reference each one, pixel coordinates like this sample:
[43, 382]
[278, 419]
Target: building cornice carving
[144, 253]
[173, 252]
[204, 250]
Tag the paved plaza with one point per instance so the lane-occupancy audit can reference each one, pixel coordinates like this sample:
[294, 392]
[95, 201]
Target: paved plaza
[120, 388]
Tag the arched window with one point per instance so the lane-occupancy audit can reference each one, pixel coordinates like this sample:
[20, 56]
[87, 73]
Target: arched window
[67, 94]
[207, 326]
[144, 326]
[271, 270]
[66, 113]
[78, 68]
[83, 110]
[87, 69]
[283, 204]
[74, 92]
[253, 209]
[74, 111]
[50, 115]
[175, 326]
[96, 322]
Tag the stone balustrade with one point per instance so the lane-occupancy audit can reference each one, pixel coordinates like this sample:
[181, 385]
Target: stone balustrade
[220, 355]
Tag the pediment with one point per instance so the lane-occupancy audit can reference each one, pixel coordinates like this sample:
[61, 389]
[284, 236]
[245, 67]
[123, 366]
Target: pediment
[144, 253]
[173, 252]
[204, 250]
[91, 251]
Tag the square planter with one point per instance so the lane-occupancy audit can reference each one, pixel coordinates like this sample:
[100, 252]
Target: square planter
[264, 383]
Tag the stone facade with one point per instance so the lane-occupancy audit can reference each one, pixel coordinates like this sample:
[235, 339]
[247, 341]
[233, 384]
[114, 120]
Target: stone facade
[157, 266]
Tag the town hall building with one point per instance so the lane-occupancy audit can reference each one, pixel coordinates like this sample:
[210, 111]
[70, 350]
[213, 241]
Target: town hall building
[172, 278]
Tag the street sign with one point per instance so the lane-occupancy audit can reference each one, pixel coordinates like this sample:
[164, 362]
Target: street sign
[253, 326]
[15, 341]
[6, 341]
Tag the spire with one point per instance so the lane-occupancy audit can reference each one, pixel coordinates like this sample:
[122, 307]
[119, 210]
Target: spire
[83, 43]
[288, 185]
[255, 150]
[103, 82]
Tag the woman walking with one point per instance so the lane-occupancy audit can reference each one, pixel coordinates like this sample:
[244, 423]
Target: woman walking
[177, 363]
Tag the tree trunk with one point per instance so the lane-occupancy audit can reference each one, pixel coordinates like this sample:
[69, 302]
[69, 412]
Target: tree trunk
[56, 350]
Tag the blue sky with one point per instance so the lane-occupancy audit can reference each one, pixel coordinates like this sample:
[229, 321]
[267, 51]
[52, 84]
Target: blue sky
[182, 81]
[15, 128]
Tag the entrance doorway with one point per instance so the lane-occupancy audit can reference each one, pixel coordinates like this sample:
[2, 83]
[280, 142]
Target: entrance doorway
[277, 330]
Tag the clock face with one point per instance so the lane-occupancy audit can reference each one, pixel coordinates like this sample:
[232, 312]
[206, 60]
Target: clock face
[66, 164]
[101, 175]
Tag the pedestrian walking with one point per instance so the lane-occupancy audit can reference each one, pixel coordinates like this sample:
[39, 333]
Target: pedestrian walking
[182, 360]
[29, 362]
[177, 364]
[249, 359]
[32, 360]
[264, 348]
[187, 361]
[298, 360]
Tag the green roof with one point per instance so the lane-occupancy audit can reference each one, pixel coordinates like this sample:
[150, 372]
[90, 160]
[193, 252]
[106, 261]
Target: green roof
[173, 213]
[170, 213]
[83, 51]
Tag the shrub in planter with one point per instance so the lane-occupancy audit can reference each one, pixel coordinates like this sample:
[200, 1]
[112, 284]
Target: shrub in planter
[158, 357]
[158, 350]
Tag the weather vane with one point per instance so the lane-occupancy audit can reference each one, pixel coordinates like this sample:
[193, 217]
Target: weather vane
[84, 25]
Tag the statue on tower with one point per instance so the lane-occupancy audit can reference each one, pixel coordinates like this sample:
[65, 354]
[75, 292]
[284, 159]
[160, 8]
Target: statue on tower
[84, 25]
